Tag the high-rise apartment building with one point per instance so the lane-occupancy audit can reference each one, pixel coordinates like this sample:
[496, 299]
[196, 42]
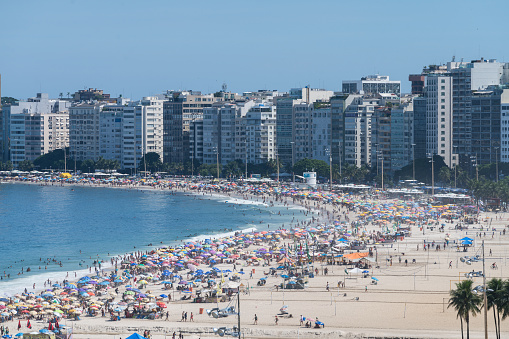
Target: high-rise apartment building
[178, 112]
[286, 124]
[34, 127]
[486, 124]
[504, 126]
[466, 78]
[439, 118]
[339, 104]
[357, 131]
[260, 133]
[84, 130]
[420, 129]
[321, 131]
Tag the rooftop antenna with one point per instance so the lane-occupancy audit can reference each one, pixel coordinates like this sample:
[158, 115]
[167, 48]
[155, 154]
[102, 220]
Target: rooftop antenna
[453, 58]
[224, 86]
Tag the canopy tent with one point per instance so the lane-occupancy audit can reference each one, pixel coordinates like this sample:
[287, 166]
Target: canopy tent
[356, 255]
[135, 336]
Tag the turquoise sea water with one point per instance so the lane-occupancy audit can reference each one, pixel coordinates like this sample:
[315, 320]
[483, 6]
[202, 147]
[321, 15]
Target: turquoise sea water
[38, 223]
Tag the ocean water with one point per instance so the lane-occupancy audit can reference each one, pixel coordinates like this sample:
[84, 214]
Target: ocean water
[41, 226]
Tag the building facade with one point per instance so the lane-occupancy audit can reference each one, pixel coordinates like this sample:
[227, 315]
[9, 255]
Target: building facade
[34, 127]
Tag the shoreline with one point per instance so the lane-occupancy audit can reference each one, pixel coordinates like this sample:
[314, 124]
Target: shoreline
[60, 275]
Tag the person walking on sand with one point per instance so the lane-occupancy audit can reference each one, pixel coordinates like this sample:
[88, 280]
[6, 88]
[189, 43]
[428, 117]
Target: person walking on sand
[276, 320]
[192, 317]
[450, 264]
[301, 320]
[256, 319]
[327, 286]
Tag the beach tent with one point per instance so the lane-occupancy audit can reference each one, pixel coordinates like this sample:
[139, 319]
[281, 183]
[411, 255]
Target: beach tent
[65, 175]
[135, 336]
[356, 255]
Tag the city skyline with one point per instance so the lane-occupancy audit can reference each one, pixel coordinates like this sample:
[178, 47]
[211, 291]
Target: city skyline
[144, 49]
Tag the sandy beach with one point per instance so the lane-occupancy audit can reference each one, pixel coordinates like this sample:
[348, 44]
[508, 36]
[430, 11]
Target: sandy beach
[409, 300]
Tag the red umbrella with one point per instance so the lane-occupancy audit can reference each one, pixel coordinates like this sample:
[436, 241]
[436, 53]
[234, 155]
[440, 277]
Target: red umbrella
[56, 324]
[19, 324]
[50, 327]
[28, 324]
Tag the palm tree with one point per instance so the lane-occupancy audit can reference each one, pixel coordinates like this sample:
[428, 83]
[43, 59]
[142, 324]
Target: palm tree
[465, 301]
[497, 300]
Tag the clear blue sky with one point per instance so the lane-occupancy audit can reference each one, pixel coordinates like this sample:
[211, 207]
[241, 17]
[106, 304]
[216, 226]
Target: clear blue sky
[138, 48]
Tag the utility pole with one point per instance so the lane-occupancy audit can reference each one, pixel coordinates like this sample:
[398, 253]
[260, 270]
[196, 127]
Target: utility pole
[485, 294]
[65, 160]
[238, 312]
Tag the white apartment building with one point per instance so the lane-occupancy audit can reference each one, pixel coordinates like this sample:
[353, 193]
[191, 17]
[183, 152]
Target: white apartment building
[260, 134]
[310, 95]
[149, 125]
[117, 135]
[439, 117]
[35, 127]
[357, 133]
[372, 85]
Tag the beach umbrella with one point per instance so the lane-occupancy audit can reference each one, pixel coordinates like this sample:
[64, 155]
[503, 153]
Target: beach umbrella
[375, 279]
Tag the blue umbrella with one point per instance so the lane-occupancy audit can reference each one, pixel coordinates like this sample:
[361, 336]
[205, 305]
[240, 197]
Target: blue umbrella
[163, 295]
[104, 283]
[375, 279]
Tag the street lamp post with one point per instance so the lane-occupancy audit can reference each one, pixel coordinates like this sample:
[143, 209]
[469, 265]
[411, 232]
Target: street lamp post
[293, 171]
[246, 161]
[381, 158]
[277, 165]
[329, 152]
[413, 162]
[340, 160]
[217, 163]
[431, 155]
[496, 164]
